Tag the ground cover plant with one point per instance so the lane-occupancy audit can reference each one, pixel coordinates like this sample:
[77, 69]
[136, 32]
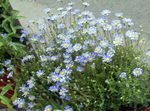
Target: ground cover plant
[80, 62]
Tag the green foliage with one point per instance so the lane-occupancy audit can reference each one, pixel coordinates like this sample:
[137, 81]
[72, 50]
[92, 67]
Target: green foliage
[5, 100]
[9, 49]
[101, 88]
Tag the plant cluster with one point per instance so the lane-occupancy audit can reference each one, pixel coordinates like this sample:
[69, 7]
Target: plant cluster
[10, 50]
[77, 61]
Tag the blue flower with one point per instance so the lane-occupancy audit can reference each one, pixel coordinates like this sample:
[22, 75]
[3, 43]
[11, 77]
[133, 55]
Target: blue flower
[77, 47]
[92, 30]
[57, 70]
[66, 44]
[69, 65]
[39, 73]
[66, 55]
[79, 68]
[31, 82]
[123, 75]
[107, 27]
[48, 108]
[53, 88]
[86, 4]
[63, 92]
[102, 21]
[27, 58]
[55, 77]
[107, 58]
[2, 71]
[23, 88]
[68, 108]
[63, 72]
[7, 62]
[21, 103]
[118, 39]
[61, 26]
[116, 24]
[16, 101]
[132, 35]
[99, 51]
[25, 92]
[31, 105]
[104, 43]
[137, 72]
[111, 52]
[31, 97]
[128, 21]
[105, 12]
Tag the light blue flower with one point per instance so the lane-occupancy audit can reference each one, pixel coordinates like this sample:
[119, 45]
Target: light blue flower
[48, 108]
[77, 47]
[118, 39]
[123, 75]
[31, 82]
[137, 72]
[16, 101]
[92, 30]
[127, 21]
[132, 35]
[31, 105]
[57, 70]
[111, 52]
[104, 43]
[66, 44]
[80, 68]
[102, 21]
[23, 87]
[25, 92]
[63, 92]
[53, 88]
[70, 50]
[86, 4]
[7, 62]
[54, 58]
[116, 24]
[55, 77]
[27, 58]
[99, 51]
[2, 72]
[21, 103]
[106, 12]
[66, 55]
[31, 97]
[119, 15]
[47, 10]
[70, 65]
[61, 26]
[68, 108]
[107, 58]
[107, 27]
[39, 73]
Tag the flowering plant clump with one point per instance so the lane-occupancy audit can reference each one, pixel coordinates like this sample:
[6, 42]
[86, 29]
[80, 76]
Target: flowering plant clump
[76, 61]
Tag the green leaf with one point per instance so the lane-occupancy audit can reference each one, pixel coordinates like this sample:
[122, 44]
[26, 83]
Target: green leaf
[6, 101]
[15, 95]
[6, 89]
[1, 44]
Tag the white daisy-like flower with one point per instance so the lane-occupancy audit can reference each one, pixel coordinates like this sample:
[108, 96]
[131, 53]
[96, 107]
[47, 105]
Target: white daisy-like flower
[105, 12]
[119, 14]
[86, 4]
